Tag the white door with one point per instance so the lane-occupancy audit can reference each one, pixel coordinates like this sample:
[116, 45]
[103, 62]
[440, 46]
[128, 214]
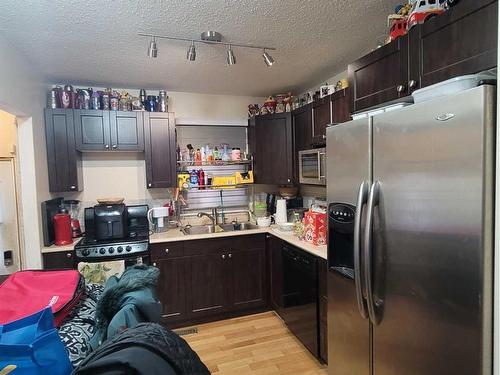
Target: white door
[9, 230]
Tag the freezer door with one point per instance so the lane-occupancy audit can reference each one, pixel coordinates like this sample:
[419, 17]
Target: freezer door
[432, 236]
[348, 165]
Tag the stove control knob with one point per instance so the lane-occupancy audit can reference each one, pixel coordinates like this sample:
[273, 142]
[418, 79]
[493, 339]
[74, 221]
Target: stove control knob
[111, 250]
[102, 250]
[119, 249]
[85, 252]
[128, 248]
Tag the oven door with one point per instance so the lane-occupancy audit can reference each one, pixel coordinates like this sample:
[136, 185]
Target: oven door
[312, 166]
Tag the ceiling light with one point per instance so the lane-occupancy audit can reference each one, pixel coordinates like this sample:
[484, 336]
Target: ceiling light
[153, 50]
[191, 54]
[231, 59]
[268, 59]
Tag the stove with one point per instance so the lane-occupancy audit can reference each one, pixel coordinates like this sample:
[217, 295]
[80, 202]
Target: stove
[113, 250]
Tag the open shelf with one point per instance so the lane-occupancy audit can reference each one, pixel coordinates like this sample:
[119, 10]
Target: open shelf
[214, 163]
[216, 187]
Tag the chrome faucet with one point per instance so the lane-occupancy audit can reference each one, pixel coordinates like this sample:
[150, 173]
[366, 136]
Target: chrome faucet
[213, 216]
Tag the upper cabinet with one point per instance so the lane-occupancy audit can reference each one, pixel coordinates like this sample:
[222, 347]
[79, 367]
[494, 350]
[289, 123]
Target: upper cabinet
[274, 157]
[380, 76]
[322, 116]
[69, 132]
[341, 106]
[302, 123]
[64, 161]
[159, 140]
[109, 130]
[461, 41]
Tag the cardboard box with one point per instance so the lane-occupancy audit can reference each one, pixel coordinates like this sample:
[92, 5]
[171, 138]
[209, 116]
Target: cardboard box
[315, 228]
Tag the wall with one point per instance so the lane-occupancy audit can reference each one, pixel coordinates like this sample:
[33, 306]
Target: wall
[124, 174]
[22, 93]
[8, 130]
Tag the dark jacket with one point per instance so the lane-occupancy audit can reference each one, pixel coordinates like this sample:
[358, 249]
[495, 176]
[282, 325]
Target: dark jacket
[147, 349]
[125, 302]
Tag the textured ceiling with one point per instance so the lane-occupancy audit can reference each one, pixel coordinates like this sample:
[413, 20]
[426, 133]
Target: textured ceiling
[96, 42]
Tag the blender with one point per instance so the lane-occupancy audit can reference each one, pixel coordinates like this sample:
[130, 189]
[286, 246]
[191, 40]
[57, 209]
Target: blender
[73, 207]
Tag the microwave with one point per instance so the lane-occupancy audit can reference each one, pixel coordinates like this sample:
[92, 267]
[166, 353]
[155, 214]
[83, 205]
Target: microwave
[312, 166]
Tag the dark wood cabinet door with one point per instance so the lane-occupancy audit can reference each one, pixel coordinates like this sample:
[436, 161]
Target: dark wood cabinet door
[459, 42]
[275, 158]
[208, 287]
[341, 106]
[247, 267]
[172, 288]
[159, 148]
[92, 130]
[63, 161]
[302, 124]
[276, 274]
[322, 116]
[380, 76]
[59, 260]
[127, 131]
[323, 309]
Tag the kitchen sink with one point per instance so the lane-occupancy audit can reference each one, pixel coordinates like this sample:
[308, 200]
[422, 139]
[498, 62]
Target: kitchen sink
[238, 226]
[205, 229]
[201, 229]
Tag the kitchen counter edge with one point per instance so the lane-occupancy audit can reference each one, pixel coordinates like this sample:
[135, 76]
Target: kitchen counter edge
[174, 235]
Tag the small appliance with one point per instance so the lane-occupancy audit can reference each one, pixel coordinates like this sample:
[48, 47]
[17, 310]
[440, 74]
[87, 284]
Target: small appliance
[158, 218]
[73, 207]
[312, 166]
[62, 228]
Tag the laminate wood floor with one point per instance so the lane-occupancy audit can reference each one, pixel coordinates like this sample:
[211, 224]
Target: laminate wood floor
[255, 344]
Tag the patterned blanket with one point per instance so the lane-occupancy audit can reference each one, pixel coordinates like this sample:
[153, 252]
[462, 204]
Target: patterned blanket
[79, 327]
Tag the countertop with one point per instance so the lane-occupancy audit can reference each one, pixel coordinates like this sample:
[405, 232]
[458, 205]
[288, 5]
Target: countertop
[174, 235]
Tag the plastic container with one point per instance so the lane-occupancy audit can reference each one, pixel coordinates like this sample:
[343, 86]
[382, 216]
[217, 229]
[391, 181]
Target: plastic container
[450, 86]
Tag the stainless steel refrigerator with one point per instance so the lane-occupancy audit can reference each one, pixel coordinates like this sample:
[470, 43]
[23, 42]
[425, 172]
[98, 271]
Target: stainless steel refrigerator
[411, 208]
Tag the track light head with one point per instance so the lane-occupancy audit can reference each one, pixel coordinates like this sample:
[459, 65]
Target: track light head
[191, 53]
[231, 59]
[268, 59]
[153, 49]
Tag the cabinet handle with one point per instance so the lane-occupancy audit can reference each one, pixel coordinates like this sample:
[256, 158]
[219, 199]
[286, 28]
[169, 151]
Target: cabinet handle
[412, 83]
[166, 251]
[69, 255]
[154, 264]
[72, 187]
[106, 147]
[223, 256]
[324, 136]
[230, 255]
[289, 180]
[401, 88]
[149, 185]
[115, 147]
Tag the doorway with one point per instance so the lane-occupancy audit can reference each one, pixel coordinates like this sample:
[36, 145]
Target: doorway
[10, 254]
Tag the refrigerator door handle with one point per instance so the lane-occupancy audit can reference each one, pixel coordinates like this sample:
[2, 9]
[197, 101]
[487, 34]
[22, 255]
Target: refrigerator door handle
[361, 201]
[373, 201]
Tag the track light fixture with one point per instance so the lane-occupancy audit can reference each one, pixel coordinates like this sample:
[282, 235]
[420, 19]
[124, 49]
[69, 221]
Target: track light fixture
[231, 59]
[268, 59]
[153, 50]
[191, 54]
[208, 37]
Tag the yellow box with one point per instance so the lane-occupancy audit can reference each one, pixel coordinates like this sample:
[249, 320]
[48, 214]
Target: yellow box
[244, 177]
[225, 181]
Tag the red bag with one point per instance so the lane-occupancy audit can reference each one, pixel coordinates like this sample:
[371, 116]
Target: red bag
[26, 292]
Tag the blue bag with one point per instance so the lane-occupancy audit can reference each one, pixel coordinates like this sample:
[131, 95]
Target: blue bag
[33, 346]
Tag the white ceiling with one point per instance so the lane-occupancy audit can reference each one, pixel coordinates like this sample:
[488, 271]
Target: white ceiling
[96, 42]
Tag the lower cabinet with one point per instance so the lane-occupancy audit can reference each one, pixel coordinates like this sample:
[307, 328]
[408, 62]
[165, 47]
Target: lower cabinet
[205, 279]
[323, 310]
[59, 260]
